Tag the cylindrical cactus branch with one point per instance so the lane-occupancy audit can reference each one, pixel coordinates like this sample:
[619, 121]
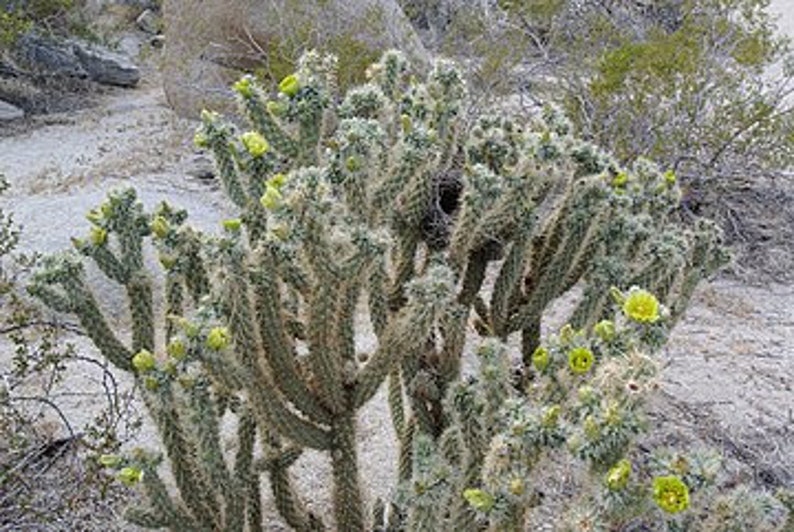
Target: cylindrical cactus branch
[387, 196]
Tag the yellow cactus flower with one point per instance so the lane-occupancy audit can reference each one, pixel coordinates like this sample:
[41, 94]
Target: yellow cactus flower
[168, 261]
[254, 143]
[479, 499]
[144, 361]
[151, 383]
[618, 477]
[641, 306]
[540, 358]
[200, 140]
[243, 87]
[290, 85]
[671, 494]
[580, 360]
[277, 180]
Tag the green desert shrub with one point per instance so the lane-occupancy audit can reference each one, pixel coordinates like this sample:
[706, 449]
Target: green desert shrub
[700, 86]
[387, 212]
[17, 17]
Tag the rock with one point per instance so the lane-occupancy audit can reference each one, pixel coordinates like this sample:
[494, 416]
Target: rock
[106, 67]
[74, 58]
[149, 22]
[10, 112]
[207, 49]
[158, 41]
[200, 167]
[51, 56]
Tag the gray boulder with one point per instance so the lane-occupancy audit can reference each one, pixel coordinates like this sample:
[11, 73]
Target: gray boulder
[10, 112]
[106, 67]
[53, 57]
[149, 22]
[78, 59]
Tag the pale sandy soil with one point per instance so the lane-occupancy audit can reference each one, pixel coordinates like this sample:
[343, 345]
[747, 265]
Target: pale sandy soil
[729, 371]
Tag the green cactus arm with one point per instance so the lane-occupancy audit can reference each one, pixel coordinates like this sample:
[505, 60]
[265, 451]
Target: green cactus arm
[181, 450]
[210, 455]
[555, 279]
[348, 503]
[140, 302]
[289, 504]
[225, 154]
[265, 123]
[174, 301]
[107, 262]
[399, 342]
[508, 281]
[244, 475]
[165, 512]
[97, 328]
[376, 297]
[326, 362]
[396, 399]
[453, 334]
[412, 162]
[273, 411]
[278, 351]
[404, 268]
[310, 122]
[52, 297]
[473, 276]
[76, 297]
[344, 340]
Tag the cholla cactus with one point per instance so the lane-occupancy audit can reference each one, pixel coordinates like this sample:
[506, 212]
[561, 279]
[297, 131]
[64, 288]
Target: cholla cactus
[387, 196]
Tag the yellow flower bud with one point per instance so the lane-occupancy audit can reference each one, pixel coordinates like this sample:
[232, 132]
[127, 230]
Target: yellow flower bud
[540, 358]
[218, 338]
[232, 225]
[176, 349]
[254, 143]
[144, 361]
[605, 330]
[98, 235]
[130, 475]
[160, 226]
[618, 477]
[271, 198]
[290, 85]
[479, 499]
[243, 87]
[110, 460]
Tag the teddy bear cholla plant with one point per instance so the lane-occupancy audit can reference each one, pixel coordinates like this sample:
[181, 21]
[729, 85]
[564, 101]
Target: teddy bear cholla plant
[386, 199]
